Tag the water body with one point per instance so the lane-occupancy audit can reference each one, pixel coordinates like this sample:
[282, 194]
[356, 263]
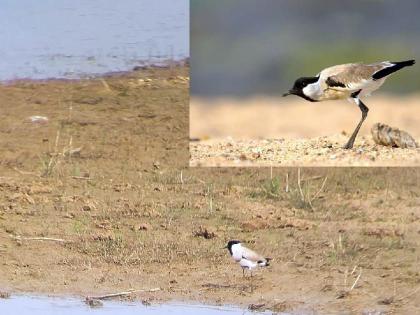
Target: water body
[77, 38]
[35, 305]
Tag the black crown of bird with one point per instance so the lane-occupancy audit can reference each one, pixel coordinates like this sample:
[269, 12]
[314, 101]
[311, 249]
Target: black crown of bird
[347, 81]
[247, 258]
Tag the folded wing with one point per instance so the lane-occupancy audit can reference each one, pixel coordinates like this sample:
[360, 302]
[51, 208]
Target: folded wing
[251, 255]
[354, 76]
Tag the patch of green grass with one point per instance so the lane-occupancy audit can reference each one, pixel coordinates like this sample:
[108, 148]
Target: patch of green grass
[343, 251]
[112, 248]
[80, 226]
[269, 189]
[76, 170]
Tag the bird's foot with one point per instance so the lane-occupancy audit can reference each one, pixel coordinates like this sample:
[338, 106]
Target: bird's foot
[349, 144]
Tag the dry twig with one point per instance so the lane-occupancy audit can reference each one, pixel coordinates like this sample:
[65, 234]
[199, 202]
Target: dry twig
[321, 189]
[409, 294]
[357, 280]
[25, 172]
[22, 238]
[118, 294]
[300, 187]
[81, 177]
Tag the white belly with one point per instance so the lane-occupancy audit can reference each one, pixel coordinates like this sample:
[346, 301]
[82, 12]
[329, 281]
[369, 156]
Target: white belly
[372, 86]
[247, 264]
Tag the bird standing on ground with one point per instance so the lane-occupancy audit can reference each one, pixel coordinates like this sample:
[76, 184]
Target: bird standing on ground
[247, 258]
[351, 81]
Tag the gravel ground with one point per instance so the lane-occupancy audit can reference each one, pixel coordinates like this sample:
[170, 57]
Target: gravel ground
[322, 151]
[292, 132]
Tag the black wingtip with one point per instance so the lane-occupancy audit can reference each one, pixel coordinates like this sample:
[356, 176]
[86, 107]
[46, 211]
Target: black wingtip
[395, 66]
[405, 63]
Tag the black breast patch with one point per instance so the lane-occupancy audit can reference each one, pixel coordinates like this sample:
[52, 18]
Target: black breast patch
[334, 83]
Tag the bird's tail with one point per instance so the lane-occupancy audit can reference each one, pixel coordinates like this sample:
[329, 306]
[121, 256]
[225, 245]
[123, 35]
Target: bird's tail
[264, 263]
[394, 66]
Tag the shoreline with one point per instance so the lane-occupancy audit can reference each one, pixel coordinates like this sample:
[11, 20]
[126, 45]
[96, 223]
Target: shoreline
[165, 64]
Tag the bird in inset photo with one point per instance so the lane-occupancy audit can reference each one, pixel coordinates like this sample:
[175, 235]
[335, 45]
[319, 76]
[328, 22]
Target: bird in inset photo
[247, 258]
[350, 81]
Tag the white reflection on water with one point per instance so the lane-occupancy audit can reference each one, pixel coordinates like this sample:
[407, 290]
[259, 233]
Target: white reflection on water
[35, 305]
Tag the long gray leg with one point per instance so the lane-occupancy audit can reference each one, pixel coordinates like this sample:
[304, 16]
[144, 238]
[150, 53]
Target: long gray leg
[365, 111]
[252, 285]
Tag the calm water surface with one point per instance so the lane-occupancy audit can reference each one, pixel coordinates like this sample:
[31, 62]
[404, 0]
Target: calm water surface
[26, 305]
[76, 38]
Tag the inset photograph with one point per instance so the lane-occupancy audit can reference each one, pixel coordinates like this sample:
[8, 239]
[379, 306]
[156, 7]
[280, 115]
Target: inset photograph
[286, 83]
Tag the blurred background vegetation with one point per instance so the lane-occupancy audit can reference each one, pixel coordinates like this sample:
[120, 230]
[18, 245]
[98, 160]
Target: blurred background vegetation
[245, 47]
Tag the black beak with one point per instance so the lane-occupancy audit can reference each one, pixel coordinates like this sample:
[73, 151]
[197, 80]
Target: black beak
[289, 93]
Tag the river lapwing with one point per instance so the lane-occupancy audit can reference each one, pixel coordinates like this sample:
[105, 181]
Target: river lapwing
[351, 81]
[247, 258]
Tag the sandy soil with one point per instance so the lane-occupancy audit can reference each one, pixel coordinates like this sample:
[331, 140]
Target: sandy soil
[286, 132]
[108, 175]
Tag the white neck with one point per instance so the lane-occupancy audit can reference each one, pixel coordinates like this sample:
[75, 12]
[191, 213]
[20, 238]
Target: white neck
[313, 90]
[237, 252]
